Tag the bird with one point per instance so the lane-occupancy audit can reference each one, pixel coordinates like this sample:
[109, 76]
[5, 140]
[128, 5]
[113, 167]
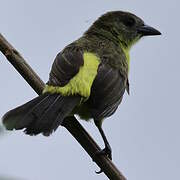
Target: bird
[88, 78]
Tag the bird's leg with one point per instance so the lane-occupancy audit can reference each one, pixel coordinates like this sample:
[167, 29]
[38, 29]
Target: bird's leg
[107, 150]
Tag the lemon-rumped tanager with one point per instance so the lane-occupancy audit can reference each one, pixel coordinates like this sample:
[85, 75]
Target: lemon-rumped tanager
[88, 78]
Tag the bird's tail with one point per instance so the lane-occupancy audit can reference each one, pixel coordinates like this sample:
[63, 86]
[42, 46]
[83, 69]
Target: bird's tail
[42, 114]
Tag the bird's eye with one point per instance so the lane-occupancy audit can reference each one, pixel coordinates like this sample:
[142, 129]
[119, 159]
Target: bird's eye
[129, 22]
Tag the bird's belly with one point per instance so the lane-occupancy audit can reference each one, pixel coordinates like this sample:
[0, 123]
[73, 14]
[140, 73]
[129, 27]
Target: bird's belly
[83, 111]
[106, 92]
[100, 104]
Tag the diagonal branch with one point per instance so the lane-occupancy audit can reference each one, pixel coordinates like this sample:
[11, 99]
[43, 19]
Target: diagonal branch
[71, 124]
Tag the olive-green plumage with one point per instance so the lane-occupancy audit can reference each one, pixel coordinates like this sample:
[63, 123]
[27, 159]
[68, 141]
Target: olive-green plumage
[88, 77]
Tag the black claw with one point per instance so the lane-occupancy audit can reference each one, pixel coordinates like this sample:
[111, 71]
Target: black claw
[107, 152]
[99, 172]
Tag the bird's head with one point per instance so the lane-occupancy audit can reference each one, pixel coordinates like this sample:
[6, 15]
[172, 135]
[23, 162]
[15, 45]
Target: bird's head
[123, 26]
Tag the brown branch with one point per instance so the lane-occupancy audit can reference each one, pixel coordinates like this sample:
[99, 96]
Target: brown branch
[71, 124]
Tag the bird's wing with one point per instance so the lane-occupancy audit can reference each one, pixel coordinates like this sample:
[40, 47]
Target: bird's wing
[107, 91]
[73, 72]
[66, 65]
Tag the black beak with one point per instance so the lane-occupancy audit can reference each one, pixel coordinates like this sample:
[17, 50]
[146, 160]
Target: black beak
[147, 31]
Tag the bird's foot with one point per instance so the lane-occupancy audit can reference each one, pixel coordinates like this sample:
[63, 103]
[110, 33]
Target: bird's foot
[107, 152]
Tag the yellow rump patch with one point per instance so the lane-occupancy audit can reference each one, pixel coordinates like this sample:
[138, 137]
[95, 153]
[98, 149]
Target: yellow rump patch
[81, 83]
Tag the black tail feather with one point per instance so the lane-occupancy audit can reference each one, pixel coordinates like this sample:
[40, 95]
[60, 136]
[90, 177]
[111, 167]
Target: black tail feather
[33, 113]
[43, 123]
[65, 109]
[12, 117]
[42, 114]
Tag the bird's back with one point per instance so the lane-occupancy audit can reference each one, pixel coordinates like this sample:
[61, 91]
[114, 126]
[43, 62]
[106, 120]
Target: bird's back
[111, 79]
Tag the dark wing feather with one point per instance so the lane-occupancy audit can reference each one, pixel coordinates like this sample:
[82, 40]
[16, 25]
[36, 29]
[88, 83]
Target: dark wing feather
[107, 91]
[66, 65]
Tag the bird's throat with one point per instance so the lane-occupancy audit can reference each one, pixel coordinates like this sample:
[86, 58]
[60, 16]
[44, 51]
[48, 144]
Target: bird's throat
[126, 51]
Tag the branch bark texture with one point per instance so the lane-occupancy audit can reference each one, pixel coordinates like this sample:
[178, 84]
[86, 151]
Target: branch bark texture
[71, 124]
